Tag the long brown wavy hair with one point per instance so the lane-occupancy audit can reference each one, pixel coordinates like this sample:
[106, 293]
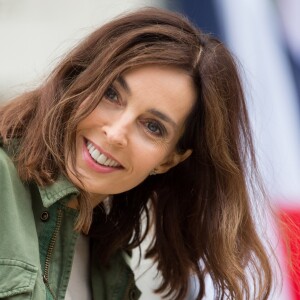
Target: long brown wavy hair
[201, 209]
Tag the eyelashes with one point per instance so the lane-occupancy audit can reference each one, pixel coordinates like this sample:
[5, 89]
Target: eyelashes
[112, 95]
[155, 128]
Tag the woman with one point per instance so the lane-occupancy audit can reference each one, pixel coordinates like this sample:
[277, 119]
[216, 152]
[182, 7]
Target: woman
[146, 117]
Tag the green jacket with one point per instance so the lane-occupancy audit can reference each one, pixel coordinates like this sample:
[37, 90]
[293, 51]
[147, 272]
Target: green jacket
[38, 240]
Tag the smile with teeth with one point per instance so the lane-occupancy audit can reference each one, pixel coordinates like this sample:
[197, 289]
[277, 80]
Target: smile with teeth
[100, 158]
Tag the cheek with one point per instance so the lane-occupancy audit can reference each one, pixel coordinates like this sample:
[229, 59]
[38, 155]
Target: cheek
[89, 121]
[146, 157]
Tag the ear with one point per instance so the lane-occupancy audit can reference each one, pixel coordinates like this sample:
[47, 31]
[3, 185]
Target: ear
[172, 160]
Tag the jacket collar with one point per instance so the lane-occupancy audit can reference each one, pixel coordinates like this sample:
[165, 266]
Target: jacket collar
[57, 191]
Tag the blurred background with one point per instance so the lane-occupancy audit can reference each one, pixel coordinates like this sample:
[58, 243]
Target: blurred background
[264, 36]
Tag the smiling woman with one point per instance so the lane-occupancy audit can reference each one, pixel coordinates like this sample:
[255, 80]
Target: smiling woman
[133, 130]
[146, 94]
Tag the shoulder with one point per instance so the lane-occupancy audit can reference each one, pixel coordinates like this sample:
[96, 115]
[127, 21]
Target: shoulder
[16, 213]
[7, 167]
[5, 161]
[11, 186]
[8, 171]
[19, 257]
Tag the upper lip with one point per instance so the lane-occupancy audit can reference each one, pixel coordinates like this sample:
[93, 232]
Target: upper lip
[104, 152]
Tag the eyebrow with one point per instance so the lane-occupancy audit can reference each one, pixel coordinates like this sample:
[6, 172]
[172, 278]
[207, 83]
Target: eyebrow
[123, 84]
[163, 117]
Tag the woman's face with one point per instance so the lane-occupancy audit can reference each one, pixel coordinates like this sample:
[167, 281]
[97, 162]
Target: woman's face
[133, 130]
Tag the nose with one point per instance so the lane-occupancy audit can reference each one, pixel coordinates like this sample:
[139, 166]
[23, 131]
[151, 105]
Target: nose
[116, 133]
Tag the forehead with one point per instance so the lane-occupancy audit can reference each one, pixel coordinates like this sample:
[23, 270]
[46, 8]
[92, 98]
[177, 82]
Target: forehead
[165, 88]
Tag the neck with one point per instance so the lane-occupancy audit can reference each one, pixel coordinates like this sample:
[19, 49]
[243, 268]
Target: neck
[95, 200]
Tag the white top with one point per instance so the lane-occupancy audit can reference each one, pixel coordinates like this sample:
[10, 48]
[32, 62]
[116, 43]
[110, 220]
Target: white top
[79, 284]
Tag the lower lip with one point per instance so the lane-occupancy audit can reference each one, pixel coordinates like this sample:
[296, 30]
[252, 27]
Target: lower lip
[93, 165]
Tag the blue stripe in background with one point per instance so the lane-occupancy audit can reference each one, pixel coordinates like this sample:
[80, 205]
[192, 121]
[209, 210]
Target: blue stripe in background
[203, 13]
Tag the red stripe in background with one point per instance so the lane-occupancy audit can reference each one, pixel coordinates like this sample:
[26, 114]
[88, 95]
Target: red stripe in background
[290, 229]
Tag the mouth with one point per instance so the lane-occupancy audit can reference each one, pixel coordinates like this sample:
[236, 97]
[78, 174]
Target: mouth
[101, 158]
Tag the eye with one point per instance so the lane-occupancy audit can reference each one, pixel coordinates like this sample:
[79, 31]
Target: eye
[111, 94]
[155, 128]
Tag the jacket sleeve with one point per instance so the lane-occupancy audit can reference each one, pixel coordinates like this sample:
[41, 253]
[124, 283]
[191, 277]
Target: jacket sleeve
[19, 253]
